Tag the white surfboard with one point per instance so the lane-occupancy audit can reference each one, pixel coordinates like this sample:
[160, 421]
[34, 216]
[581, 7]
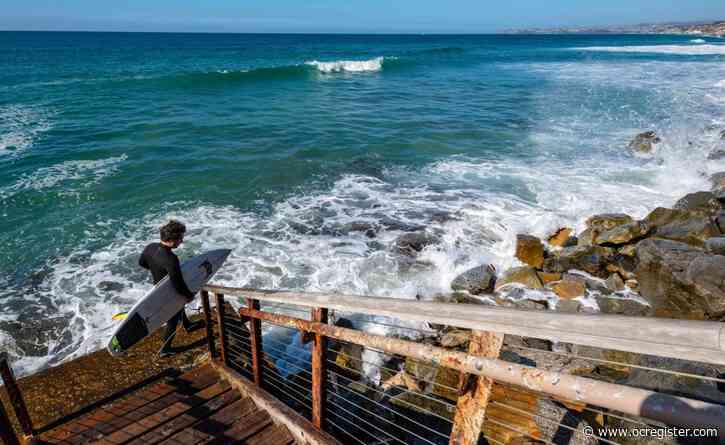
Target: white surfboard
[163, 302]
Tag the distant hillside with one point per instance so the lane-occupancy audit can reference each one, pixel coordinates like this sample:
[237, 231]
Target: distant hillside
[714, 29]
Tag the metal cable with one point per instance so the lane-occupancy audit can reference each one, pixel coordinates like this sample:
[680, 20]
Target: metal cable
[402, 401]
[552, 422]
[368, 423]
[629, 365]
[512, 428]
[342, 429]
[394, 411]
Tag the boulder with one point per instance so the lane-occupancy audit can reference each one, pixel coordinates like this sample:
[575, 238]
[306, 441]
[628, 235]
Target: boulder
[718, 181]
[623, 306]
[530, 250]
[569, 289]
[681, 281]
[716, 245]
[628, 251]
[568, 306]
[456, 338]
[624, 234]
[720, 221]
[525, 275]
[644, 142]
[722, 135]
[608, 221]
[681, 225]
[591, 259]
[716, 155]
[410, 244]
[479, 280]
[586, 238]
[548, 277]
[560, 237]
[592, 283]
[550, 414]
[704, 203]
[615, 283]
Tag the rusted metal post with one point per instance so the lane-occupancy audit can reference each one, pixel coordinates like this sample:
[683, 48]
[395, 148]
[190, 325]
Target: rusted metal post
[319, 352]
[671, 410]
[222, 327]
[255, 337]
[7, 433]
[16, 397]
[474, 391]
[207, 321]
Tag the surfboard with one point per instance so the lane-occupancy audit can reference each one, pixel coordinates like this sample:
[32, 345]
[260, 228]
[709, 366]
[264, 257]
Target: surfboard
[163, 302]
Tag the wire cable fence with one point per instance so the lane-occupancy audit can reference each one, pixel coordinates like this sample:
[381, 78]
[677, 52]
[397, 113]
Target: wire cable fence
[374, 396]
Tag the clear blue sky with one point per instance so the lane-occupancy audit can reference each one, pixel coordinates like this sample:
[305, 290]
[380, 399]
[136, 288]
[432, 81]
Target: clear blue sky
[343, 16]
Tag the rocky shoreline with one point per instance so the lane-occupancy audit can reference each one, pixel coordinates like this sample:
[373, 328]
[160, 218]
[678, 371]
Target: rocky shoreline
[671, 264]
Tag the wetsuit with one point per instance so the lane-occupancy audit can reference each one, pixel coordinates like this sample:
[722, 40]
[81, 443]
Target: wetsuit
[161, 261]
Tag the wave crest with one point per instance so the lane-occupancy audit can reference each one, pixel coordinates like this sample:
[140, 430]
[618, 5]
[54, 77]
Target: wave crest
[351, 66]
[688, 50]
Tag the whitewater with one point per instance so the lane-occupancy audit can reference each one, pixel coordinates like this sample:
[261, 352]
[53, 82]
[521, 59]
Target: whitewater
[310, 157]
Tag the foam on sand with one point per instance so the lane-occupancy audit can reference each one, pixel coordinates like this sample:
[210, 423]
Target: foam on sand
[690, 50]
[351, 66]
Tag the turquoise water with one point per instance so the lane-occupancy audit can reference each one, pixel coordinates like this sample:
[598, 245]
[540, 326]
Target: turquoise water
[309, 155]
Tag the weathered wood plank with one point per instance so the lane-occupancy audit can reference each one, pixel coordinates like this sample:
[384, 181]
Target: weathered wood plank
[187, 419]
[223, 338]
[255, 338]
[208, 324]
[319, 370]
[681, 339]
[272, 435]
[301, 429]
[476, 391]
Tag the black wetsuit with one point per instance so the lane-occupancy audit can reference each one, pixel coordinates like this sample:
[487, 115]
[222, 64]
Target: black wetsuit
[161, 261]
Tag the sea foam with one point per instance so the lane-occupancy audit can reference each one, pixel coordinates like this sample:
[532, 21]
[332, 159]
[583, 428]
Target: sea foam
[20, 126]
[692, 50]
[352, 66]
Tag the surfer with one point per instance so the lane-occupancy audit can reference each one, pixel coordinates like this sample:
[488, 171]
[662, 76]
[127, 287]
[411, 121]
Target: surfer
[161, 261]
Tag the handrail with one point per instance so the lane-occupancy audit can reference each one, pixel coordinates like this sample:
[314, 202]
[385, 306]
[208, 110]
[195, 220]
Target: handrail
[672, 410]
[702, 341]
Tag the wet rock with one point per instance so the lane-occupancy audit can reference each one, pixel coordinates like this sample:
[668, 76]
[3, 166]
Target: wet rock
[632, 284]
[608, 221]
[615, 283]
[720, 222]
[591, 259]
[525, 275]
[681, 281]
[592, 283]
[410, 244]
[644, 142]
[560, 237]
[623, 234]
[548, 277]
[628, 251]
[586, 238]
[716, 155]
[681, 225]
[479, 280]
[716, 245]
[550, 414]
[456, 338]
[569, 289]
[623, 306]
[704, 203]
[675, 384]
[718, 181]
[110, 286]
[530, 250]
[568, 306]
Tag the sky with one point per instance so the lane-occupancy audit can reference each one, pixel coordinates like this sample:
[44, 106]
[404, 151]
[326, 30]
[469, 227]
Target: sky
[341, 16]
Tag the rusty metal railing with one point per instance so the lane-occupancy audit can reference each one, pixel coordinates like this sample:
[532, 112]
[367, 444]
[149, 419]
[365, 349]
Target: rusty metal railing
[315, 388]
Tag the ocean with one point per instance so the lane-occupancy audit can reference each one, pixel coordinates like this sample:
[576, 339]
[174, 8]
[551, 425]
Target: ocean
[309, 155]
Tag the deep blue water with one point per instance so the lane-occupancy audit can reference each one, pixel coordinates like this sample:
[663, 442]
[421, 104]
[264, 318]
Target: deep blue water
[273, 145]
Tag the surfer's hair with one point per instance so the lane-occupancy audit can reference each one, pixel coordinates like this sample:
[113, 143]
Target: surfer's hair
[172, 231]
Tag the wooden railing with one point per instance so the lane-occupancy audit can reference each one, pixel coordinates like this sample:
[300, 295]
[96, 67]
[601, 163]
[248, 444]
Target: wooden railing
[480, 366]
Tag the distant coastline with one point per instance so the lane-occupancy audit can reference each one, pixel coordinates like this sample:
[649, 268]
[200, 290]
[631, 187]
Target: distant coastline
[703, 29]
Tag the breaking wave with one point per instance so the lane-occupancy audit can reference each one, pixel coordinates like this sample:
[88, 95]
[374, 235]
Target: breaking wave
[690, 50]
[350, 66]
